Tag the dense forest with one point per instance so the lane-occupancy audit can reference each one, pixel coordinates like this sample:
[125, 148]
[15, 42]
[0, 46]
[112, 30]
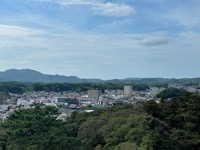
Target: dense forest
[18, 87]
[171, 92]
[168, 125]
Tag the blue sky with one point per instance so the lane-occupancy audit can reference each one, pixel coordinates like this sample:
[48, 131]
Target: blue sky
[101, 38]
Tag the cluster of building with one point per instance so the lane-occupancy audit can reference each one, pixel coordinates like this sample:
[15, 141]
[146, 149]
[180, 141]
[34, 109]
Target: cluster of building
[66, 101]
[69, 101]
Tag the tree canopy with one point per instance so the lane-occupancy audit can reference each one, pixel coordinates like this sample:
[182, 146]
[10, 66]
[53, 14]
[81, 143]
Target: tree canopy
[172, 92]
[171, 124]
[35, 128]
[17, 87]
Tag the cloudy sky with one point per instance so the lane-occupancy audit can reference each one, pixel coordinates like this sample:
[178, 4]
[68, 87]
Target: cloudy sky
[101, 38]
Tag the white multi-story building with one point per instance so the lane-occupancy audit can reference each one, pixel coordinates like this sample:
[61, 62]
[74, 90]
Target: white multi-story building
[94, 94]
[128, 90]
[1, 98]
[155, 90]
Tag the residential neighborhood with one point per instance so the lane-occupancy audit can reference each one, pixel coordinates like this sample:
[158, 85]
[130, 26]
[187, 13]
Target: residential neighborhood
[69, 101]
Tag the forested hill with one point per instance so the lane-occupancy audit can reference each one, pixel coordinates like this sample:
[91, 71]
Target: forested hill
[27, 75]
[169, 125]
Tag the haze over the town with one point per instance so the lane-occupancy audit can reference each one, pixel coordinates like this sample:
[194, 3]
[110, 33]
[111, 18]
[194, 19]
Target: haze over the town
[101, 38]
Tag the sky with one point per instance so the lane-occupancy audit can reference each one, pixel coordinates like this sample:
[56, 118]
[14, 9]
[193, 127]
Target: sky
[106, 39]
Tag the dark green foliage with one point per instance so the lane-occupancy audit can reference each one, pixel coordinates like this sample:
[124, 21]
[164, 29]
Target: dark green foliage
[16, 87]
[12, 87]
[172, 92]
[170, 125]
[35, 128]
[124, 125]
[183, 117]
[149, 125]
[152, 108]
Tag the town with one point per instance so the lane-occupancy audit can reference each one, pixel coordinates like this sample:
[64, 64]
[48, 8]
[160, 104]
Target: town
[69, 101]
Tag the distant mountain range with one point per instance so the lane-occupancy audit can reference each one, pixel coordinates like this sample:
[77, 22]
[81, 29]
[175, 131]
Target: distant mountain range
[28, 75]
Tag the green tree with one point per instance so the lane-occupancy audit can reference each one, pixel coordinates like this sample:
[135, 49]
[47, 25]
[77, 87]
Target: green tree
[35, 128]
[127, 146]
[171, 93]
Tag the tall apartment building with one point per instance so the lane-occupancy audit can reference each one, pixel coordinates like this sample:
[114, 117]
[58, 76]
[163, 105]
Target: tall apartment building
[94, 94]
[128, 90]
[155, 90]
[1, 98]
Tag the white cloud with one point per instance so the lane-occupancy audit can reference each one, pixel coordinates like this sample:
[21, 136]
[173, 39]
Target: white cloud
[100, 8]
[76, 2]
[17, 31]
[57, 42]
[18, 36]
[187, 16]
[112, 9]
[116, 26]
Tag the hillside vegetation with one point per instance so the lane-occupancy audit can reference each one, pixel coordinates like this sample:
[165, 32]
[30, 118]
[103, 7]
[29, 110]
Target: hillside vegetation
[169, 125]
[19, 88]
